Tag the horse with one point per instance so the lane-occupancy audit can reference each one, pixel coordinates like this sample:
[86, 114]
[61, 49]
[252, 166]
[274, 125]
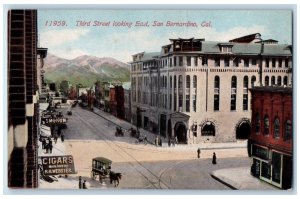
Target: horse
[115, 177]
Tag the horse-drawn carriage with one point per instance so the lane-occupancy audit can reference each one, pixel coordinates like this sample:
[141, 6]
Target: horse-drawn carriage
[101, 167]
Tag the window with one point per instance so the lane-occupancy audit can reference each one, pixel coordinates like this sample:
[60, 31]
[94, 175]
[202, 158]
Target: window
[279, 81]
[285, 80]
[208, 129]
[245, 94]
[246, 62]
[175, 83]
[170, 101]
[276, 128]
[196, 61]
[180, 61]
[180, 101]
[253, 62]
[266, 125]
[253, 79]
[170, 81]
[236, 62]
[188, 61]
[226, 49]
[188, 81]
[187, 103]
[257, 123]
[175, 61]
[273, 63]
[217, 93]
[180, 81]
[233, 94]
[280, 63]
[267, 63]
[272, 80]
[267, 81]
[170, 62]
[194, 81]
[226, 62]
[287, 63]
[217, 62]
[194, 103]
[204, 61]
[288, 130]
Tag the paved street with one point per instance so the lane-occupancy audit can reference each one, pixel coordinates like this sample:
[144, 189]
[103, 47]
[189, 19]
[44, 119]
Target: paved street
[143, 166]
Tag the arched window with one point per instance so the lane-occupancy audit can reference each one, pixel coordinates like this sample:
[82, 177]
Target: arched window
[267, 81]
[195, 94]
[257, 123]
[253, 79]
[266, 125]
[194, 81]
[233, 93]
[288, 130]
[276, 128]
[272, 80]
[245, 93]
[188, 81]
[208, 129]
[279, 81]
[180, 81]
[285, 81]
[217, 93]
[175, 94]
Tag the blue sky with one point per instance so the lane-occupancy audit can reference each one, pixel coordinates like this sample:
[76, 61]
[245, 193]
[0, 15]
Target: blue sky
[121, 42]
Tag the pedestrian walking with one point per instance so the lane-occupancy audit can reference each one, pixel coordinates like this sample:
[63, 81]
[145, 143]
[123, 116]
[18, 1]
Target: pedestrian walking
[80, 182]
[62, 137]
[84, 184]
[169, 142]
[214, 159]
[50, 146]
[176, 140]
[156, 141]
[198, 152]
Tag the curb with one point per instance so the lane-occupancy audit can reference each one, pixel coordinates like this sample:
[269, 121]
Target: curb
[223, 182]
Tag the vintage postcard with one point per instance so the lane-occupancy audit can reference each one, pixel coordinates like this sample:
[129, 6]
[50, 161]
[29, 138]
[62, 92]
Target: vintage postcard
[150, 99]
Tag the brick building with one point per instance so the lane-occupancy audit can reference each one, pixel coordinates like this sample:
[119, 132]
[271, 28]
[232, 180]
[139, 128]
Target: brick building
[198, 90]
[116, 101]
[271, 140]
[24, 84]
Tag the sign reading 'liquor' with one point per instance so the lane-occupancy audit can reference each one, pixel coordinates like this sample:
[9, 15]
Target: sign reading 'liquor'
[56, 120]
[55, 165]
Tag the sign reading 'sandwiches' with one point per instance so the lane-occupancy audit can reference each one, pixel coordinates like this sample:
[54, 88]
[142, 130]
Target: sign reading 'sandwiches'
[55, 165]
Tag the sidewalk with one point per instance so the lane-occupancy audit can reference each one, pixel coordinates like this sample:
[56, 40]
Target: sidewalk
[151, 136]
[241, 179]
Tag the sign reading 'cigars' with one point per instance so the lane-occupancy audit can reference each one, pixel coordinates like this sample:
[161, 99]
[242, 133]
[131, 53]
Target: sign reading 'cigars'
[55, 165]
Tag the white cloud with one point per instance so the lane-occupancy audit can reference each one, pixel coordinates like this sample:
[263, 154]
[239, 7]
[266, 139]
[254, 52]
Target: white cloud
[56, 38]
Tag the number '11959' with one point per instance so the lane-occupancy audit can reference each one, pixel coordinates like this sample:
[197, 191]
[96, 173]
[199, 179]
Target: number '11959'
[56, 23]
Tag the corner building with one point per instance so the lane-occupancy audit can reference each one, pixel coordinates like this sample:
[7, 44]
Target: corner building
[198, 90]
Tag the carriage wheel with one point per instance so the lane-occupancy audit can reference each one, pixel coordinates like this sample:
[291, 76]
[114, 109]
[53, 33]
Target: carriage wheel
[92, 175]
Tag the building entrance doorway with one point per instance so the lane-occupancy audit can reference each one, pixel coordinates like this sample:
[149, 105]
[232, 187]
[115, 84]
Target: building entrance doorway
[243, 130]
[180, 133]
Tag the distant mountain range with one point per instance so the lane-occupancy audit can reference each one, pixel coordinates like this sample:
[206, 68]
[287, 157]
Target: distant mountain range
[85, 70]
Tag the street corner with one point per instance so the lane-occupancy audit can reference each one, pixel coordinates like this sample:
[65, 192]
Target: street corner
[240, 179]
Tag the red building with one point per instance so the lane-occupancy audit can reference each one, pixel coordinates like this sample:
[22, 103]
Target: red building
[271, 140]
[116, 101]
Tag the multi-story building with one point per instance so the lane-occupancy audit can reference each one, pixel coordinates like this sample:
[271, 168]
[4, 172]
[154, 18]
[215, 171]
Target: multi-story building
[25, 82]
[271, 140]
[116, 101]
[127, 101]
[198, 90]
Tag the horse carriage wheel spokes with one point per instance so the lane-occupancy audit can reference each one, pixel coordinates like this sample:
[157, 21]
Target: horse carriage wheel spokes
[93, 177]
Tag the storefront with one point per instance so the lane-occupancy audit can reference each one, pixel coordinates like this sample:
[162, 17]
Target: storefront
[272, 166]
